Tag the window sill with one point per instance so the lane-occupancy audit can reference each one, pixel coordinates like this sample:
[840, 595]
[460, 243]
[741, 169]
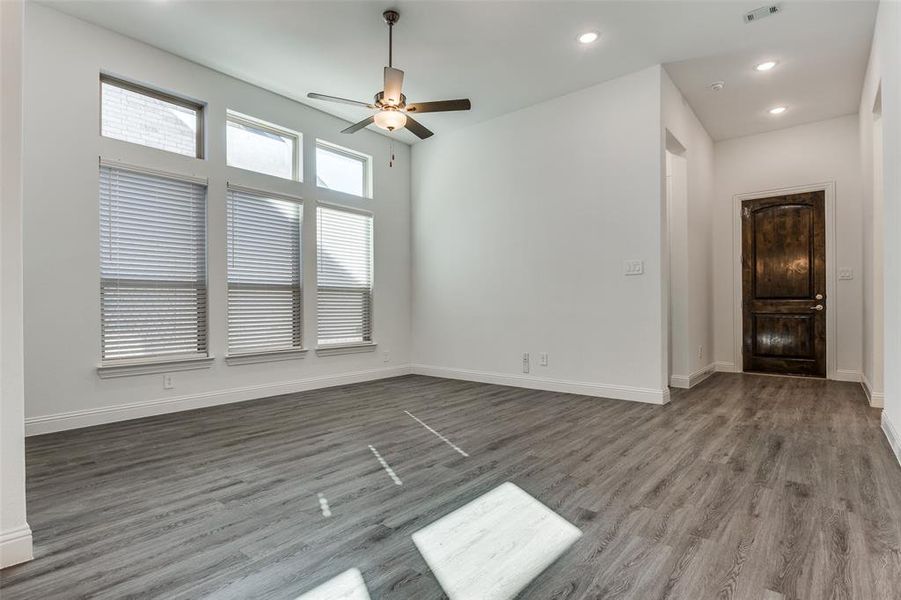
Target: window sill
[338, 349]
[250, 358]
[151, 366]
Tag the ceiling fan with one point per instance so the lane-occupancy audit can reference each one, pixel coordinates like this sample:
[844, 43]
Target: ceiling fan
[393, 110]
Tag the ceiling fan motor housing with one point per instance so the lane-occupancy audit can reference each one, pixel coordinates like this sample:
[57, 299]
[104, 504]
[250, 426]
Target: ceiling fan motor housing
[380, 101]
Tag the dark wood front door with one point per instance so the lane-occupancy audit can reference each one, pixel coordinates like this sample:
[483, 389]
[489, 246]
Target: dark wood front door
[784, 284]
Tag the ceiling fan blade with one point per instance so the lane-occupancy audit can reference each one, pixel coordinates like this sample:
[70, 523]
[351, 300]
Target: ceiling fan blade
[417, 128]
[394, 81]
[337, 99]
[439, 106]
[358, 126]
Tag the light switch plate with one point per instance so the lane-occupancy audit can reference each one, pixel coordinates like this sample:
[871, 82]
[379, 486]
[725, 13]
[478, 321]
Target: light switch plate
[633, 267]
[846, 274]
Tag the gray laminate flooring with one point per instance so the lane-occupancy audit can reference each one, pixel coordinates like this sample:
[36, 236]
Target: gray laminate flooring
[745, 487]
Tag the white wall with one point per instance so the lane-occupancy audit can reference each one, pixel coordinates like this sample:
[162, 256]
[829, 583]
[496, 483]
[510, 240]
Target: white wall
[885, 69]
[797, 156]
[691, 277]
[62, 328]
[521, 227]
[15, 535]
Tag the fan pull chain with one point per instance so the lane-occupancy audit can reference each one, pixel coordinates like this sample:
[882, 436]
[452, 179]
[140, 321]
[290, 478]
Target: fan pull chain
[391, 153]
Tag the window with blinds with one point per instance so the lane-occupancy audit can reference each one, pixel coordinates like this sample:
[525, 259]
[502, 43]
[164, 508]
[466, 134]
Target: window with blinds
[344, 265]
[264, 273]
[153, 287]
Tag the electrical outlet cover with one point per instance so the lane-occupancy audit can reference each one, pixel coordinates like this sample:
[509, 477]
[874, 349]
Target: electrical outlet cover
[633, 267]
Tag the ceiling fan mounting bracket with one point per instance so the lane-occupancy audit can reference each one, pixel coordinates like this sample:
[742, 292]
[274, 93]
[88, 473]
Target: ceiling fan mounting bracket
[391, 16]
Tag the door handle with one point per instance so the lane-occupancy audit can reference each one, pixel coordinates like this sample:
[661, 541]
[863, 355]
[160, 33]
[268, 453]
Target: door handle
[817, 307]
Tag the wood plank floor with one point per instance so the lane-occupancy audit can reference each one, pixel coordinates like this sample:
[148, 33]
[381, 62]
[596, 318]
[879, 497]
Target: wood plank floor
[745, 487]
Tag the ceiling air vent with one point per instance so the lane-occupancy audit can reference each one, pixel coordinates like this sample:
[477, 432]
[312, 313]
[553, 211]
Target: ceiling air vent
[760, 13]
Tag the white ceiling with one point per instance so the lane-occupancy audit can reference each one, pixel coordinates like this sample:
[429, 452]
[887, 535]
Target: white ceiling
[507, 55]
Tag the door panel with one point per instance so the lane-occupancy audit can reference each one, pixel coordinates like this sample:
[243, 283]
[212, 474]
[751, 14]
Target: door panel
[784, 336]
[783, 269]
[784, 284]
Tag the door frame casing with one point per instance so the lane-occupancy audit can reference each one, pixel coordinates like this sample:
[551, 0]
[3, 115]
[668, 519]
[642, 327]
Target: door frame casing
[828, 188]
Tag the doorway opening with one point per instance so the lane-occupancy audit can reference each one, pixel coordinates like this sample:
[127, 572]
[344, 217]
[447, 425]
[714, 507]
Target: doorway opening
[677, 256]
[873, 368]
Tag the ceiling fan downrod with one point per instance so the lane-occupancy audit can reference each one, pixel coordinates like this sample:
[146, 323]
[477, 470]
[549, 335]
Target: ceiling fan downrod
[391, 17]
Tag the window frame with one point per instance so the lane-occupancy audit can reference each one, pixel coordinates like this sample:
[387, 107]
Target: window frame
[347, 153]
[197, 107]
[261, 354]
[348, 347]
[255, 123]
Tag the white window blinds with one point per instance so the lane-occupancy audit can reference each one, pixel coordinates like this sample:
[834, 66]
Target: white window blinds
[264, 273]
[344, 264]
[153, 287]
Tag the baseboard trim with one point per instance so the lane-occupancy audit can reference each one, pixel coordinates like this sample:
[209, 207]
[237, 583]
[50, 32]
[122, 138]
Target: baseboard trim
[726, 367]
[875, 399]
[686, 382]
[846, 375]
[15, 546]
[123, 412]
[891, 434]
[615, 392]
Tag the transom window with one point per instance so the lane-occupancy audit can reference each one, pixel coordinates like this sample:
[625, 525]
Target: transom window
[255, 145]
[140, 115]
[342, 169]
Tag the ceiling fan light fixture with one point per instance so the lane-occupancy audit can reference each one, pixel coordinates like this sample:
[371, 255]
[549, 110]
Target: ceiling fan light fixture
[390, 119]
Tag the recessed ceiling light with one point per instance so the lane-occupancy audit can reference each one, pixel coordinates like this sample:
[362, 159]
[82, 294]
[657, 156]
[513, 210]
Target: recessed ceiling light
[766, 66]
[588, 37]
[777, 110]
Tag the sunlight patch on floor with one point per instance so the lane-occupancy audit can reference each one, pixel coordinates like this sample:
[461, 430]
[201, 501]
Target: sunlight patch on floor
[493, 547]
[349, 585]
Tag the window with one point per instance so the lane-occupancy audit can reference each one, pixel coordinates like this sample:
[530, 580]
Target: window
[262, 147]
[142, 116]
[153, 292]
[264, 273]
[341, 169]
[344, 264]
